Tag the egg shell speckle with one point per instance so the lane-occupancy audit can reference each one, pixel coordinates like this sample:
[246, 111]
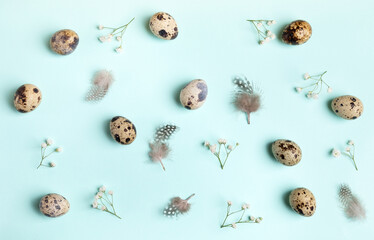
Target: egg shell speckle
[163, 26]
[54, 205]
[122, 130]
[303, 202]
[297, 33]
[27, 98]
[286, 152]
[194, 94]
[347, 107]
[64, 41]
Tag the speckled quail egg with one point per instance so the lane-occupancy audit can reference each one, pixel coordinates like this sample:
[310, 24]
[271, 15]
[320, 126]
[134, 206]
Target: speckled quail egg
[122, 130]
[54, 205]
[297, 33]
[194, 94]
[27, 98]
[163, 26]
[347, 107]
[303, 202]
[286, 152]
[64, 41]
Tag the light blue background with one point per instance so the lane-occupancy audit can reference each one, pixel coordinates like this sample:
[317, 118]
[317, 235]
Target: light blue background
[215, 43]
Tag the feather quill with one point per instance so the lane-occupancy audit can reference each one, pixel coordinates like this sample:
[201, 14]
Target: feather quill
[100, 86]
[353, 208]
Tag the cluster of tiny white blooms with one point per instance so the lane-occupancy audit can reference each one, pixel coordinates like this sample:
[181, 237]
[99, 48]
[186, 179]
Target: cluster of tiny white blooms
[241, 213]
[222, 141]
[229, 203]
[222, 144]
[116, 33]
[44, 146]
[349, 152]
[102, 201]
[316, 86]
[258, 220]
[264, 34]
[245, 206]
[233, 225]
[336, 153]
[213, 148]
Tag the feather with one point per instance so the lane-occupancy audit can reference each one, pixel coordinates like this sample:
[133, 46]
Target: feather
[178, 206]
[165, 132]
[353, 208]
[159, 151]
[100, 86]
[243, 84]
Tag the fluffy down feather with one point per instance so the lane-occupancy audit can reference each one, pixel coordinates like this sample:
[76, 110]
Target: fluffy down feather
[101, 83]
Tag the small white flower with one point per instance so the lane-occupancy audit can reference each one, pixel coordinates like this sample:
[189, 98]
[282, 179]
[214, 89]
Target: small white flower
[213, 148]
[329, 90]
[306, 76]
[229, 203]
[44, 145]
[233, 225]
[262, 42]
[110, 192]
[315, 96]
[222, 141]
[258, 220]
[95, 204]
[102, 189]
[99, 194]
[245, 206]
[97, 197]
[119, 38]
[52, 164]
[269, 23]
[59, 149]
[273, 22]
[268, 33]
[272, 36]
[350, 142]
[336, 153]
[103, 39]
[49, 141]
[206, 143]
[103, 208]
[229, 147]
[309, 95]
[119, 50]
[252, 218]
[100, 27]
[267, 39]
[299, 89]
[347, 149]
[259, 24]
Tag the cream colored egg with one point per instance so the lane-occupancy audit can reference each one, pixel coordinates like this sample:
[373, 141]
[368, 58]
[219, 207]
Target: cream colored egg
[303, 202]
[54, 205]
[194, 94]
[122, 130]
[64, 41]
[347, 107]
[163, 26]
[286, 152]
[27, 98]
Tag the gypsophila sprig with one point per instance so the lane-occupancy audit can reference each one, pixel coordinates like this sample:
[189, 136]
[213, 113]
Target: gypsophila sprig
[263, 32]
[222, 144]
[241, 219]
[247, 98]
[177, 206]
[160, 149]
[103, 201]
[44, 146]
[352, 206]
[349, 151]
[316, 87]
[116, 33]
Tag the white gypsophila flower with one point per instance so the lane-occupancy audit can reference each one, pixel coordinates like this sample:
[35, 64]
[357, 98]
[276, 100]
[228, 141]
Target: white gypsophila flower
[336, 153]
[306, 76]
[213, 148]
[229, 203]
[229, 147]
[315, 96]
[110, 192]
[59, 149]
[269, 23]
[44, 145]
[206, 143]
[267, 39]
[222, 141]
[100, 27]
[309, 95]
[273, 22]
[299, 89]
[350, 142]
[118, 38]
[252, 218]
[103, 208]
[233, 225]
[329, 90]
[95, 204]
[119, 50]
[244, 206]
[49, 141]
[268, 33]
[262, 42]
[103, 39]
[97, 197]
[52, 164]
[99, 194]
[102, 189]
[259, 24]
[347, 149]
[258, 220]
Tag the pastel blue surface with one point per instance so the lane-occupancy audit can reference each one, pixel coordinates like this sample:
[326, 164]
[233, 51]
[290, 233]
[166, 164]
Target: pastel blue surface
[215, 43]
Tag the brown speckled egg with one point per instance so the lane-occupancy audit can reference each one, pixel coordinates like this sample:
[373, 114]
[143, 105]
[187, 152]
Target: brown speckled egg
[286, 152]
[163, 26]
[122, 130]
[347, 107]
[194, 94]
[64, 41]
[27, 98]
[297, 32]
[303, 202]
[54, 205]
